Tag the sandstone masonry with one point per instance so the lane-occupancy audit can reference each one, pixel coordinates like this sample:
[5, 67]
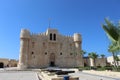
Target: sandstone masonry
[49, 49]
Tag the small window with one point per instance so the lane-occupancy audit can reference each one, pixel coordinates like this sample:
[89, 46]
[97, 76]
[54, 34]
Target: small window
[54, 37]
[50, 36]
[32, 53]
[61, 53]
[45, 53]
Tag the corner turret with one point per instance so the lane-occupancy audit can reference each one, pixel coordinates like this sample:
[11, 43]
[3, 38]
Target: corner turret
[24, 34]
[77, 37]
[77, 40]
[24, 46]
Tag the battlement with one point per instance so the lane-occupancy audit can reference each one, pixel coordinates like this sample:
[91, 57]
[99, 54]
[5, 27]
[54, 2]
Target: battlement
[26, 34]
[38, 34]
[68, 36]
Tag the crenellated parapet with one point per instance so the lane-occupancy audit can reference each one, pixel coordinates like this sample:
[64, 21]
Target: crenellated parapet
[66, 36]
[38, 34]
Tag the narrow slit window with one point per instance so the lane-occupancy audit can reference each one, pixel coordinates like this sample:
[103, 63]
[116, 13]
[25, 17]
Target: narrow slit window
[54, 37]
[50, 36]
[45, 53]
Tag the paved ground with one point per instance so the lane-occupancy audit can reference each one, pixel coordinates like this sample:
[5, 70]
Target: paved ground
[18, 75]
[7, 74]
[104, 73]
[86, 76]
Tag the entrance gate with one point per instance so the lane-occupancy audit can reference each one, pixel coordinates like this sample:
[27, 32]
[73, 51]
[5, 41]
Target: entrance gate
[52, 59]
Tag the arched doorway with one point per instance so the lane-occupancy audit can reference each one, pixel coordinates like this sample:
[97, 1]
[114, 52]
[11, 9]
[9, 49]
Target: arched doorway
[85, 64]
[1, 64]
[52, 59]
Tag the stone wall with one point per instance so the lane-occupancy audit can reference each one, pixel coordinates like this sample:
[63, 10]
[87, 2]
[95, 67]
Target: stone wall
[13, 63]
[8, 62]
[4, 62]
[98, 62]
[101, 62]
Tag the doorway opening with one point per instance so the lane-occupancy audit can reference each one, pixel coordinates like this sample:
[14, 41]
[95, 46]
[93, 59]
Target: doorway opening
[52, 64]
[85, 64]
[1, 65]
[52, 59]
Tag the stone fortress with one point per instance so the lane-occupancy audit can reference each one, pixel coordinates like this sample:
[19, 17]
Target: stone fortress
[49, 49]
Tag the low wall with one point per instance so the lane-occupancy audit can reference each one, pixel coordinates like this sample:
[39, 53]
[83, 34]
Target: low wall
[45, 75]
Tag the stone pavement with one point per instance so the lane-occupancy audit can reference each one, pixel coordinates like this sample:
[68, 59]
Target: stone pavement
[18, 75]
[87, 76]
[104, 73]
[13, 74]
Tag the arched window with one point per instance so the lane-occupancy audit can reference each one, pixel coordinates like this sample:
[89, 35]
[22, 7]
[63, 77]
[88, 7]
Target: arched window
[54, 37]
[50, 36]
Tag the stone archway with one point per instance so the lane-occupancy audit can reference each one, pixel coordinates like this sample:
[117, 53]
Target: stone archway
[52, 59]
[1, 65]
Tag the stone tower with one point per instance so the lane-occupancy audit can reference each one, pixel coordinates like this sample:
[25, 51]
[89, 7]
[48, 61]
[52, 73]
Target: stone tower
[77, 42]
[24, 46]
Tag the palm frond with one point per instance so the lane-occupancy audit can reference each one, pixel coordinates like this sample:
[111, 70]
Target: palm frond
[111, 30]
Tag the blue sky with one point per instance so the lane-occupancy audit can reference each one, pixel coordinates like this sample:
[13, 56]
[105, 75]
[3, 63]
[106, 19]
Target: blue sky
[68, 16]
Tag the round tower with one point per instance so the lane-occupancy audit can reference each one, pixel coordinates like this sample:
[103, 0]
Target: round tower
[77, 40]
[24, 48]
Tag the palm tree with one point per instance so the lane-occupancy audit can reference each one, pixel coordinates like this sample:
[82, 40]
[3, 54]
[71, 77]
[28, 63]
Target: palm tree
[83, 52]
[110, 49]
[117, 60]
[102, 55]
[113, 33]
[93, 56]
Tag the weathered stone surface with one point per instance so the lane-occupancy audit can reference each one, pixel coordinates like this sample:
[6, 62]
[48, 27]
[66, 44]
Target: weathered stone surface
[49, 49]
